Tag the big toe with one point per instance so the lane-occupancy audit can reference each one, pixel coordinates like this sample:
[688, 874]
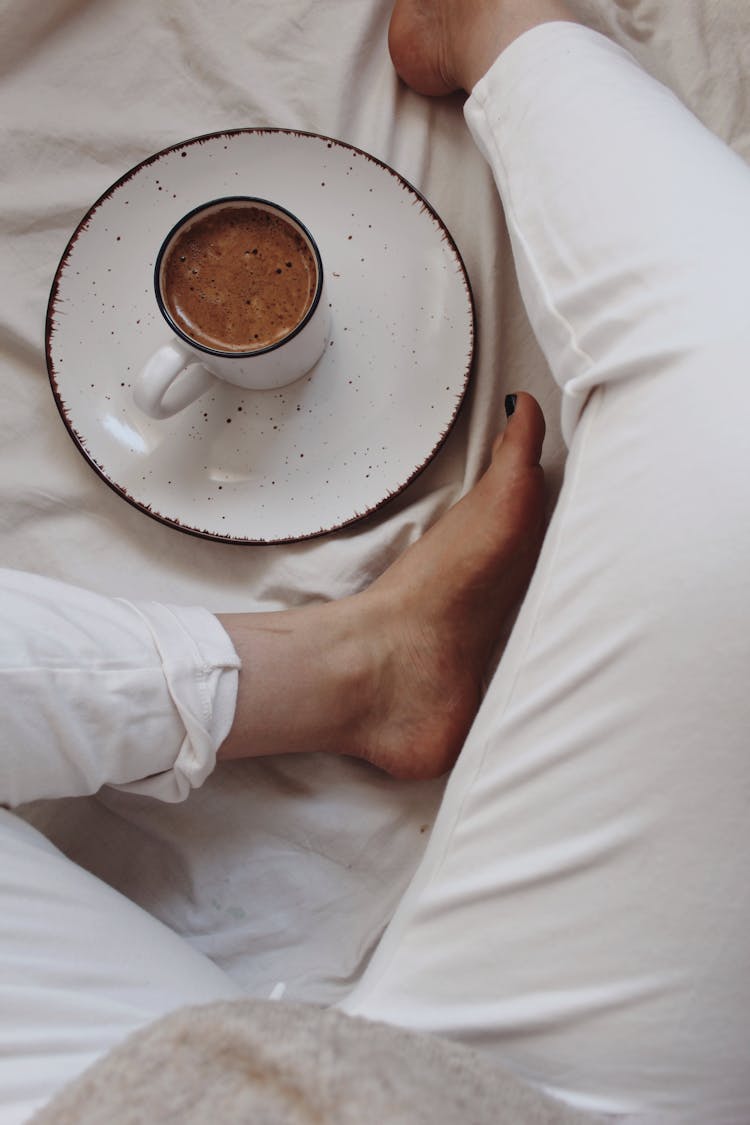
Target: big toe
[514, 484]
[522, 439]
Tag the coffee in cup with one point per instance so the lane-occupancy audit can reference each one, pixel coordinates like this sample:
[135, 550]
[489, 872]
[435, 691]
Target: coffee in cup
[240, 283]
[238, 279]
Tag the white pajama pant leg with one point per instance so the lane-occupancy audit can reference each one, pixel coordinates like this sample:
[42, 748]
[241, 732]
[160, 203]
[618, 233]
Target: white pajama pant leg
[92, 692]
[583, 908]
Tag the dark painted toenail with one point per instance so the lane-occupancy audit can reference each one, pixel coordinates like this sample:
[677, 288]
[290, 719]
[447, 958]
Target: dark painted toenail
[510, 404]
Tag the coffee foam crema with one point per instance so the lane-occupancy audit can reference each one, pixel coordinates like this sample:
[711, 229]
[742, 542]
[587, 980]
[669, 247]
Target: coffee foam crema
[239, 278]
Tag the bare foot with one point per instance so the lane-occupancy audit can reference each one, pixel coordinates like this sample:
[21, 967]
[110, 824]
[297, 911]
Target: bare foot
[395, 674]
[438, 46]
[445, 602]
[423, 40]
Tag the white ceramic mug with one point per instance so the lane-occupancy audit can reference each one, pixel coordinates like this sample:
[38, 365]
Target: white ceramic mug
[182, 370]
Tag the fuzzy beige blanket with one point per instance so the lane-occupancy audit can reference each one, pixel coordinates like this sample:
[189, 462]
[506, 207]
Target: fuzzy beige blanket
[291, 1064]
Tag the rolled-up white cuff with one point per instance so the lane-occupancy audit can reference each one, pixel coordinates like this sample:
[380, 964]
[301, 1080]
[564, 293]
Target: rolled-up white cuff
[97, 691]
[201, 671]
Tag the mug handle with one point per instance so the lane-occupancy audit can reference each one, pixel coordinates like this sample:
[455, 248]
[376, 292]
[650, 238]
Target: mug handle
[169, 382]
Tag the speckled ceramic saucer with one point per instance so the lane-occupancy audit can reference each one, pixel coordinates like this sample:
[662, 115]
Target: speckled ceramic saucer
[267, 466]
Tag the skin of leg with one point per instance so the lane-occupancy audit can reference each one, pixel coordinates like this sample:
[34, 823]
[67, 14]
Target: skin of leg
[395, 674]
[591, 838]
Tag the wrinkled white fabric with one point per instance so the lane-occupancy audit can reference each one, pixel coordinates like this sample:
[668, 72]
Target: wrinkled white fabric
[81, 967]
[582, 910]
[94, 691]
[98, 691]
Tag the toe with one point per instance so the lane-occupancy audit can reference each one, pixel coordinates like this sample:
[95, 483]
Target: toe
[523, 437]
[515, 478]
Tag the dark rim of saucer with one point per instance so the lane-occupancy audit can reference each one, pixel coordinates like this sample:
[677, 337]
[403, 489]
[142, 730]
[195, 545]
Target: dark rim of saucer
[221, 202]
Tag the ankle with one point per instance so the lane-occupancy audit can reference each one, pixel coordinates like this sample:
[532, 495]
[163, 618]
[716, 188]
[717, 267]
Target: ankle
[305, 680]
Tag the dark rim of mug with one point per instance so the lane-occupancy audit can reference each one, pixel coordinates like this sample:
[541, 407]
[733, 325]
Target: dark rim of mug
[218, 203]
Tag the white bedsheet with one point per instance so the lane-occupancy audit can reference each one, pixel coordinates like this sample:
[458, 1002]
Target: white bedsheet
[283, 871]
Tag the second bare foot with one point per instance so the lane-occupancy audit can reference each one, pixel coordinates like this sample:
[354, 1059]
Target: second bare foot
[438, 46]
